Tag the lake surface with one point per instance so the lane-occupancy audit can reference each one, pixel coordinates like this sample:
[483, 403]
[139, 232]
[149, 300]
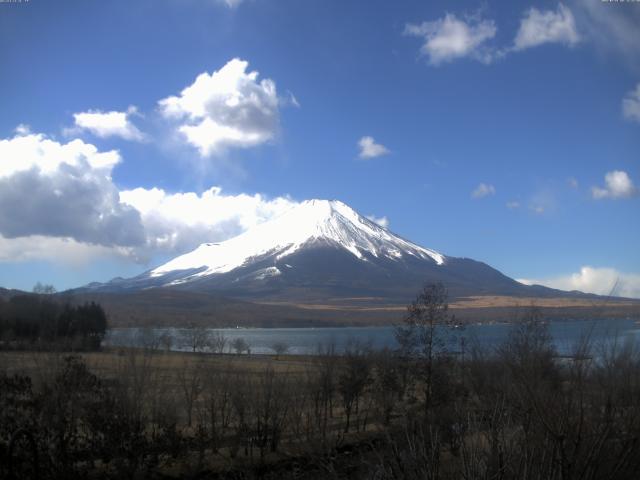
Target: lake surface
[566, 335]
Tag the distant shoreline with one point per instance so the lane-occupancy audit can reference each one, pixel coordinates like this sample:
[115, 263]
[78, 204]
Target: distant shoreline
[306, 341]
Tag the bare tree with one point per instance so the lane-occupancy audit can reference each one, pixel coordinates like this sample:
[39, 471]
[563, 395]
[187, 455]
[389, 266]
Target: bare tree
[146, 338]
[280, 348]
[242, 404]
[388, 384]
[240, 345]
[44, 289]
[217, 342]
[166, 341]
[354, 377]
[190, 380]
[419, 337]
[271, 399]
[218, 384]
[197, 337]
[321, 387]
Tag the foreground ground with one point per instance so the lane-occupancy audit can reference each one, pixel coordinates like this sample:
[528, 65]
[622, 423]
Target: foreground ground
[517, 412]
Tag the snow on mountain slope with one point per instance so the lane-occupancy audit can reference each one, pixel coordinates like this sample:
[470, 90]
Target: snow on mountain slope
[321, 251]
[323, 221]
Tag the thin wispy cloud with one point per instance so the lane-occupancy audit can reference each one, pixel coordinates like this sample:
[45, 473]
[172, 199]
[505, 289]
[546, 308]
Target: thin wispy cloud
[611, 28]
[537, 209]
[290, 99]
[483, 190]
[543, 201]
[382, 221]
[231, 3]
[631, 105]
[368, 148]
[547, 26]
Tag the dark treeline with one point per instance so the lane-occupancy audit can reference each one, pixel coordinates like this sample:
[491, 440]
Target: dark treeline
[515, 412]
[26, 320]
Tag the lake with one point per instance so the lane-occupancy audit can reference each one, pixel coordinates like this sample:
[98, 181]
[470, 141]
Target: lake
[565, 335]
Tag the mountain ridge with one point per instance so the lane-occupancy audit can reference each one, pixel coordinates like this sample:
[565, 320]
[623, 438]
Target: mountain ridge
[322, 249]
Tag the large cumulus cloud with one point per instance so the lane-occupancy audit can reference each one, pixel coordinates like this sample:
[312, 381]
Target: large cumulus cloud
[176, 222]
[63, 190]
[228, 108]
[61, 197]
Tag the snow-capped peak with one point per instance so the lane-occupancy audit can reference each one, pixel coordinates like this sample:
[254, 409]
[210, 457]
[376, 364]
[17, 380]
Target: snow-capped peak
[312, 221]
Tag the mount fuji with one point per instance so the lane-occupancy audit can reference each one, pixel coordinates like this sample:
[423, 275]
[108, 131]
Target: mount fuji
[321, 251]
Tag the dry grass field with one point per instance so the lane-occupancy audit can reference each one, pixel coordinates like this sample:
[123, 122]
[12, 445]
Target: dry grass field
[512, 414]
[180, 309]
[245, 410]
[110, 362]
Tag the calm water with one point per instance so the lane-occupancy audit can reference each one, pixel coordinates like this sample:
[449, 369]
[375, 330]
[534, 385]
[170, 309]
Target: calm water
[306, 340]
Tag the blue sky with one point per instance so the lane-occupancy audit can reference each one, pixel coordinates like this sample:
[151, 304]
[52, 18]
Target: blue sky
[507, 132]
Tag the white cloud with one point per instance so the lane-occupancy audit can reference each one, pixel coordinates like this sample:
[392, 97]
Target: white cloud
[538, 209]
[57, 201]
[178, 222]
[543, 202]
[108, 124]
[540, 27]
[513, 205]
[227, 108]
[291, 99]
[612, 29]
[601, 281]
[450, 38]
[631, 104]
[23, 129]
[63, 190]
[483, 190]
[573, 182]
[231, 3]
[26, 151]
[370, 149]
[382, 221]
[618, 184]
[61, 250]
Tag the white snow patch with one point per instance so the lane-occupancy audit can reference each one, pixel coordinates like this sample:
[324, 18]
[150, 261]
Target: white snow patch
[267, 272]
[332, 222]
